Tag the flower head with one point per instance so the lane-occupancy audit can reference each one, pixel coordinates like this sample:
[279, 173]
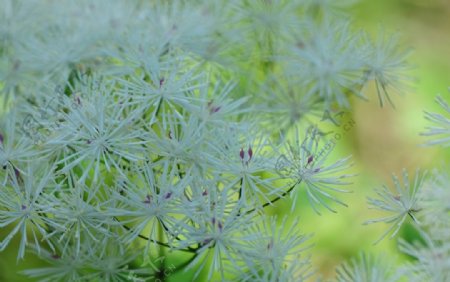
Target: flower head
[401, 204]
[305, 163]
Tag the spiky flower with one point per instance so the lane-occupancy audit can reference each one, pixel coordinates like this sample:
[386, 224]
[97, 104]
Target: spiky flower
[399, 203]
[23, 205]
[387, 66]
[219, 230]
[275, 256]
[434, 197]
[330, 66]
[305, 163]
[78, 213]
[15, 147]
[440, 130]
[364, 269]
[98, 133]
[152, 202]
[432, 259]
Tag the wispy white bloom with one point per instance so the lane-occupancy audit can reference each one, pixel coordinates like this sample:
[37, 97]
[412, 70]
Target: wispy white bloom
[399, 204]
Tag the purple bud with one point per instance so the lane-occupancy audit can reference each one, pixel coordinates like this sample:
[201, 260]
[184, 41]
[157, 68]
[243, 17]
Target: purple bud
[55, 256]
[250, 152]
[219, 224]
[317, 170]
[17, 173]
[205, 193]
[24, 207]
[161, 82]
[148, 199]
[88, 141]
[1, 138]
[168, 195]
[310, 159]
[212, 109]
[241, 154]
[213, 220]
[206, 241]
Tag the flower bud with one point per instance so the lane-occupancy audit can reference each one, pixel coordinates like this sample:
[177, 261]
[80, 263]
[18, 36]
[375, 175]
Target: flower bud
[310, 159]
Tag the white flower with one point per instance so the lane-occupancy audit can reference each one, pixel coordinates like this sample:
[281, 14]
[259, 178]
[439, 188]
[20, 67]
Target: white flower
[99, 131]
[304, 162]
[399, 205]
[366, 268]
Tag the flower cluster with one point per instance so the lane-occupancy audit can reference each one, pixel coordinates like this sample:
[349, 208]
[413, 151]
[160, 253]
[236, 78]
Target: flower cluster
[159, 129]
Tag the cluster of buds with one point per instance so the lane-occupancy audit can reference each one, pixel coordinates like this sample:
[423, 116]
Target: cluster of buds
[149, 199]
[246, 159]
[219, 224]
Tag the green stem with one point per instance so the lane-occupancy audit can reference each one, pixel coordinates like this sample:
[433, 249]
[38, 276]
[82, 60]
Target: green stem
[188, 250]
[276, 199]
[162, 254]
[240, 188]
[185, 264]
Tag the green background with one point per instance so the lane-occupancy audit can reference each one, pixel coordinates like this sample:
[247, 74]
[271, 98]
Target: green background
[386, 140]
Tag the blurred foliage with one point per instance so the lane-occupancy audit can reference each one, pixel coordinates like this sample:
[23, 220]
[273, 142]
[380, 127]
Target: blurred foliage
[385, 140]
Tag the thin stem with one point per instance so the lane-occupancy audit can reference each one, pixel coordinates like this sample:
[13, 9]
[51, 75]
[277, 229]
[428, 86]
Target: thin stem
[17, 175]
[162, 255]
[188, 250]
[158, 108]
[184, 264]
[168, 231]
[240, 188]
[276, 199]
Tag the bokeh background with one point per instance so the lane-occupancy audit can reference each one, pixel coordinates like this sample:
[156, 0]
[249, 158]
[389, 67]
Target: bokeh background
[386, 140]
[382, 140]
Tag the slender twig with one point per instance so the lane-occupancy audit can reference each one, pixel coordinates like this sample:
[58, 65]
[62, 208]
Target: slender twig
[188, 250]
[167, 229]
[162, 255]
[240, 188]
[184, 264]
[158, 108]
[276, 199]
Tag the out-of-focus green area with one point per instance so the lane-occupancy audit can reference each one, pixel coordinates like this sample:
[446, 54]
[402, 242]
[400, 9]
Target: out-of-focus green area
[386, 140]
